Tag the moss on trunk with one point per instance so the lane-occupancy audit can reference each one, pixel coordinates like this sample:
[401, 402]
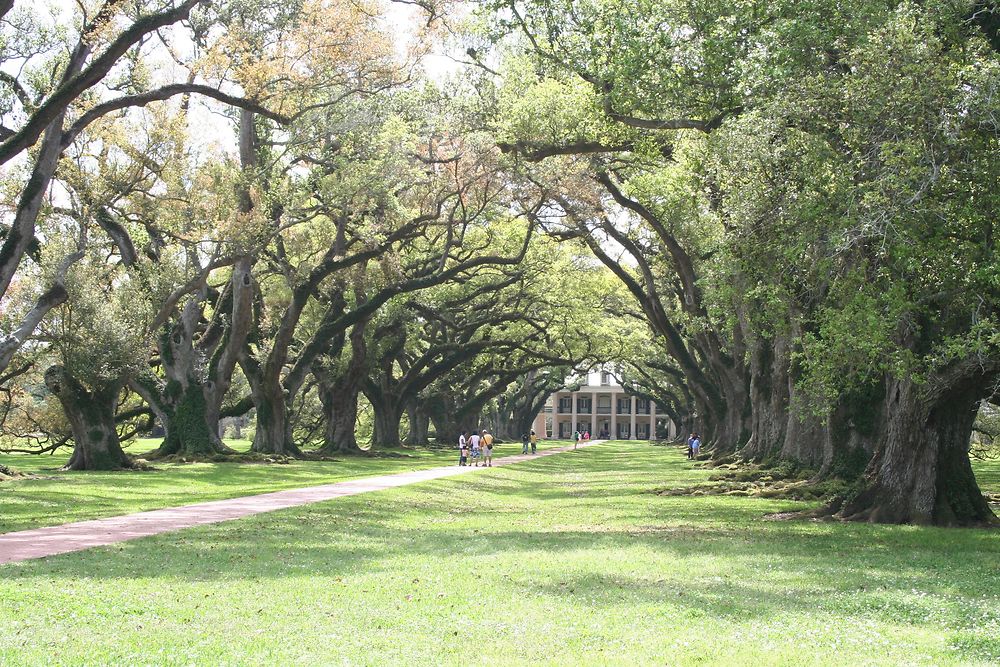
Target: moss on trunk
[188, 430]
[91, 414]
[921, 471]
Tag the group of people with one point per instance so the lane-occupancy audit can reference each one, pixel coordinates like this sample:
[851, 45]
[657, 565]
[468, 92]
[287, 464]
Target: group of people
[578, 436]
[480, 445]
[694, 446]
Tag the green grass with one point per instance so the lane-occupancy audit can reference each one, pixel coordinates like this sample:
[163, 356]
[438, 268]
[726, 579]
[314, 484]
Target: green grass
[61, 496]
[988, 475]
[565, 560]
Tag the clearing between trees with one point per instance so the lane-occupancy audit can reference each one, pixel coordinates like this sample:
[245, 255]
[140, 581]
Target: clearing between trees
[570, 559]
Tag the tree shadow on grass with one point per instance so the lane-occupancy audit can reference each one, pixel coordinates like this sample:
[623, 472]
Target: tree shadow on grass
[619, 549]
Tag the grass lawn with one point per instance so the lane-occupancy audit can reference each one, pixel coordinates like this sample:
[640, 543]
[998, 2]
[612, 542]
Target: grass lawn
[61, 496]
[566, 560]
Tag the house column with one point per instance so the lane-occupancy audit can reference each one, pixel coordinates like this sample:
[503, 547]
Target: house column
[593, 413]
[614, 415]
[633, 404]
[573, 399]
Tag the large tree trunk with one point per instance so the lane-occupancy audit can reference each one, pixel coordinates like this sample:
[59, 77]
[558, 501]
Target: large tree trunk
[725, 424]
[419, 424]
[446, 427]
[833, 443]
[273, 434]
[91, 414]
[387, 417]
[921, 471]
[770, 388]
[223, 363]
[340, 403]
[339, 396]
[189, 431]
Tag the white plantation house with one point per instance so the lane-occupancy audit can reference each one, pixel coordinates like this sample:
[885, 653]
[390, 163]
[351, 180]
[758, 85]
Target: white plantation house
[603, 407]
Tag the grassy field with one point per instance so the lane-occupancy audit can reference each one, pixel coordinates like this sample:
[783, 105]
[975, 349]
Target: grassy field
[58, 496]
[565, 560]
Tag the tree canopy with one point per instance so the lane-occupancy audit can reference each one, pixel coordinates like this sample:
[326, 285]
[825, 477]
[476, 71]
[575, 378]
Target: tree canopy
[775, 219]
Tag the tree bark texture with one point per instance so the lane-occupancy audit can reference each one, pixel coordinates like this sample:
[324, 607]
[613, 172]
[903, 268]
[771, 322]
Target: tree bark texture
[419, 423]
[388, 414]
[273, 434]
[91, 414]
[920, 472]
[340, 402]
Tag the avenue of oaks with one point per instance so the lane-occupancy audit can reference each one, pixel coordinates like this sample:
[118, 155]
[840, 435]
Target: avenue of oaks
[776, 220]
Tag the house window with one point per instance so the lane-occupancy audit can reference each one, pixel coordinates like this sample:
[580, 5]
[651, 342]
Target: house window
[583, 404]
[566, 404]
[605, 378]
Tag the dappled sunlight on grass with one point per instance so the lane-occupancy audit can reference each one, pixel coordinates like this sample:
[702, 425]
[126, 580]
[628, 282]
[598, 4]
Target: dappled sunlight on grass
[564, 560]
[60, 496]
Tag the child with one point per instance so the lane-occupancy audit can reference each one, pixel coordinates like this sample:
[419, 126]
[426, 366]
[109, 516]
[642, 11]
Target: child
[696, 446]
[463, 450]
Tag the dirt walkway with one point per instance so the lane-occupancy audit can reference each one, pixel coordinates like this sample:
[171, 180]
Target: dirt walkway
[41, 542]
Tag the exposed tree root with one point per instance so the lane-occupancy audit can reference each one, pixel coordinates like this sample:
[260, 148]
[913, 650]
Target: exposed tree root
[7, 473]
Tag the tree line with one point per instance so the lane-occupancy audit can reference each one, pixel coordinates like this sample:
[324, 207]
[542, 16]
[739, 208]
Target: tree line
[776, 218]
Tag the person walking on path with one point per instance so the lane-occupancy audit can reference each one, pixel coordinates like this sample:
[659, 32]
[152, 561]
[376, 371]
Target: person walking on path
[475, 448]
[696, 446]
[534, 441]
[576, 439]
[487, 444]
[586, 436]
[41, 542]
[524, 443]
[691, 447]
[463, 450]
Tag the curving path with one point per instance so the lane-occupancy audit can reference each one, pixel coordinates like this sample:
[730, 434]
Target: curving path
[53, 540]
